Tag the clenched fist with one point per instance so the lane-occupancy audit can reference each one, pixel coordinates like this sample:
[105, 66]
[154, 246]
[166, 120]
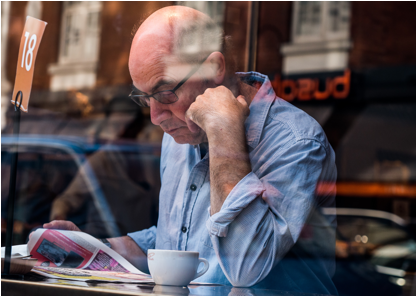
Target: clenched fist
[217, 110]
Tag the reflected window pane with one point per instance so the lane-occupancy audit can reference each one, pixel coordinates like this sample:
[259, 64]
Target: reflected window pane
[339, 16]
[309, 18]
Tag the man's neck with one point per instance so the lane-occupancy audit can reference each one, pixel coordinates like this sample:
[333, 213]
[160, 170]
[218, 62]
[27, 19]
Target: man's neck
[247, 91]
[203, 149]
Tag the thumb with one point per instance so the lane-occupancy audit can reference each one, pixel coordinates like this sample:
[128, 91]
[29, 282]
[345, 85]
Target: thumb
[244, 104]
[190, 123]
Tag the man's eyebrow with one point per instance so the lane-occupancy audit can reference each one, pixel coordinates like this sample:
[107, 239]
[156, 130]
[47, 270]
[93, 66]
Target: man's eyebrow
[136, 90]
[162, 83]
[156, 87]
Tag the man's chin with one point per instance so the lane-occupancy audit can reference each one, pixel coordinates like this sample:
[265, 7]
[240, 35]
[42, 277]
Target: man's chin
[190, 138]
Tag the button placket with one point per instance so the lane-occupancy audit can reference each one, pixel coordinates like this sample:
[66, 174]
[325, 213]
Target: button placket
[196, 177]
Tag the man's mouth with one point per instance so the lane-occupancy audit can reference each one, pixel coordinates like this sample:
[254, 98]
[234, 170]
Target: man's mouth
[171, 130]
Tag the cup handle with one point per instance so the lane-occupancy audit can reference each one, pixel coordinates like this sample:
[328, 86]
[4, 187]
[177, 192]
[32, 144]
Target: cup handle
[205, 268]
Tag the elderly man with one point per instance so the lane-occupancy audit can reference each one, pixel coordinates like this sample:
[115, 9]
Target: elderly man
[241, 169]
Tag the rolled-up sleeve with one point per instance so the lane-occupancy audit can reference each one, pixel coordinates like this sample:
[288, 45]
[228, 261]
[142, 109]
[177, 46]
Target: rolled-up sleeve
[145, 239]
[248, 189]
[263, 215]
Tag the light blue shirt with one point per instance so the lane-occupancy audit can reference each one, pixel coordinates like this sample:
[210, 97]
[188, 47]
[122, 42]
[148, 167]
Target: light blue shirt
[270, 231]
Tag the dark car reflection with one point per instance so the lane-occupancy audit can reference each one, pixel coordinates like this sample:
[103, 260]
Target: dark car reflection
[375, 253]
[106, 189]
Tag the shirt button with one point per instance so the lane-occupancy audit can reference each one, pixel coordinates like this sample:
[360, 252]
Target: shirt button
[193, 187]
[184, 229]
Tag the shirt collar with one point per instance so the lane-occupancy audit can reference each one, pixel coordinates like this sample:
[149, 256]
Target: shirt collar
[259, 106]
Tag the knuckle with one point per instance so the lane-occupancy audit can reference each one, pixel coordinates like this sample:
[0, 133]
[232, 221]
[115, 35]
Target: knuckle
[189, 113]
[224, 89]
[191, 108]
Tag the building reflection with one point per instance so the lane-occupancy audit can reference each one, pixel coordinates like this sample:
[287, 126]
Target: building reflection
[347, 64]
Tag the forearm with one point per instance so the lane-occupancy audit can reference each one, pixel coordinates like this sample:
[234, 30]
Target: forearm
[247, 257]
[129, 250]
[229, 163]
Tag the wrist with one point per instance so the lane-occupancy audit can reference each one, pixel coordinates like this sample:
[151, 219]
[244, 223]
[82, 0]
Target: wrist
[224, 135]
[106, 242]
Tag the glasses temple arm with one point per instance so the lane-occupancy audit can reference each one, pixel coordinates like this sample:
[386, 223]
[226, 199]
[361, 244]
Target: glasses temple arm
[190, 74]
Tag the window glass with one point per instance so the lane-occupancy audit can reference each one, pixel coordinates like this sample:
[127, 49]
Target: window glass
[297, 178]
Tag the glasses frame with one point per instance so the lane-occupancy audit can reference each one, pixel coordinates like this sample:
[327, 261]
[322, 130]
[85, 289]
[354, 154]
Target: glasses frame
[191, 73]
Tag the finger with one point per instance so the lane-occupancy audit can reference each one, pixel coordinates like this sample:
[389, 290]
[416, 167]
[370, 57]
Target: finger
[242, 100]
[53, 225]
[244, 104]
[62, 225]
[190, 122]
[49, 225]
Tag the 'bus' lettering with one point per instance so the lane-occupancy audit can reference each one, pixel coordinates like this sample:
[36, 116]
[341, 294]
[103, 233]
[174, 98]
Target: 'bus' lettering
[305, 89]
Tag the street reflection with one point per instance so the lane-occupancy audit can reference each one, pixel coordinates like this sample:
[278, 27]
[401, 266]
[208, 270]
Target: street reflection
[85, 143]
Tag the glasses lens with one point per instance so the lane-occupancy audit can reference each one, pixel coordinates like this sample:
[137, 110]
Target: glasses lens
[166, 97]
[140, 100]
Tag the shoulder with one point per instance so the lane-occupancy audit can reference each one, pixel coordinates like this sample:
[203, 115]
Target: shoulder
[286, 121]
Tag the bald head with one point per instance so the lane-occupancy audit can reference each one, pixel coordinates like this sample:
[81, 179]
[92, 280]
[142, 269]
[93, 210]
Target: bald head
[175, 32]
[172, 20]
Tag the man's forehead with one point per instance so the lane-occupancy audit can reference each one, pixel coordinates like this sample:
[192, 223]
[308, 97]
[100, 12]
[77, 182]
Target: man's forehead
[152, 53]
[147, 52]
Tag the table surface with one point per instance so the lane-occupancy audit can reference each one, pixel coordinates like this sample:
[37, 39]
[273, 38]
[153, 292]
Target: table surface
[36, 285]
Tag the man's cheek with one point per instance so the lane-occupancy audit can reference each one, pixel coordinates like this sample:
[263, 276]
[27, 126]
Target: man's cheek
[186, 136]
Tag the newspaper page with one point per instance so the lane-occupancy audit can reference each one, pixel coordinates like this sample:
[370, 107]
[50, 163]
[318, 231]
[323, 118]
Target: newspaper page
[92, 275]
[77, 250]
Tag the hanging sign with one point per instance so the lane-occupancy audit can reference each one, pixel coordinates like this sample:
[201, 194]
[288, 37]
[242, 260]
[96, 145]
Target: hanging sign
[306, 88]
[29, 45]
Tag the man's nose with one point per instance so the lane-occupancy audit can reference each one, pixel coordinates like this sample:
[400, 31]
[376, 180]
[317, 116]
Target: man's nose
[159, 112]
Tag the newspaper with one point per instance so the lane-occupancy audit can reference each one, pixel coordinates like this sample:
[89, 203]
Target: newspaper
[92, 275]
[78, 256]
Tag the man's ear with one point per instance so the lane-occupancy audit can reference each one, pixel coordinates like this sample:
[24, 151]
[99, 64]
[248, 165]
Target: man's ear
[217, 66]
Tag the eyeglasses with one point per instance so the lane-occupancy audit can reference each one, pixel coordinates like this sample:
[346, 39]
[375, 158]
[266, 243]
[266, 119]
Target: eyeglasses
[164, 97]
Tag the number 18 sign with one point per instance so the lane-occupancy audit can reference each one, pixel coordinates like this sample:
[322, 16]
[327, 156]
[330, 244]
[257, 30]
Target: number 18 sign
[29, 45]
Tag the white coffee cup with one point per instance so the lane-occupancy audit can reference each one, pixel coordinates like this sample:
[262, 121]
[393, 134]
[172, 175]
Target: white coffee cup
[175, 268]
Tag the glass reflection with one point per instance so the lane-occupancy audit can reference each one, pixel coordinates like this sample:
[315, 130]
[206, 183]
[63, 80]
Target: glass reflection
[85, 148]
